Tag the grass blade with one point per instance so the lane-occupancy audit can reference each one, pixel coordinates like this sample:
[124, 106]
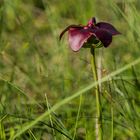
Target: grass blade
[68, 99]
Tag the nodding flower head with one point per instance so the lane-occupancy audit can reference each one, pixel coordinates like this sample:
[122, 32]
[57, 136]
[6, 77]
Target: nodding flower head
[80, 35]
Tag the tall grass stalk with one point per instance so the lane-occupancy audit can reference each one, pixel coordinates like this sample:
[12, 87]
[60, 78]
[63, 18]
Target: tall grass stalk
[98, 98]
[50, 117]
[112, 122]
[78, 114]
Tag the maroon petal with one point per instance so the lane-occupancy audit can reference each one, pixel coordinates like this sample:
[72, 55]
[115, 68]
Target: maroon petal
[104, 36]
[108, 27]
[77, 37]
[67, 28]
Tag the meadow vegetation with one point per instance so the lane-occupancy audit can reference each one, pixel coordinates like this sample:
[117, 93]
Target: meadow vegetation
[47, 91]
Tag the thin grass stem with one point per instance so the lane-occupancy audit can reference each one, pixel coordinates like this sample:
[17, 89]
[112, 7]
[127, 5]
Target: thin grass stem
[33, 136]
[112, 122]
[78, 114]
[50, 117]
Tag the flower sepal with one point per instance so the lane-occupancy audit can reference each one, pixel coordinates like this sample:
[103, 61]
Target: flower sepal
[93, 42]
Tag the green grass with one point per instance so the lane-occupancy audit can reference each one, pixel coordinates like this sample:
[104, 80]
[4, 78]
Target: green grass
[47, 91]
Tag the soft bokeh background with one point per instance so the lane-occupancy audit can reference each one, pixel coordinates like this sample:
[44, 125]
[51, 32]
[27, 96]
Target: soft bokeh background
[37, 70]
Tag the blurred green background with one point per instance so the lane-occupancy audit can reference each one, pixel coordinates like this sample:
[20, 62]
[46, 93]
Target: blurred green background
[37, 70]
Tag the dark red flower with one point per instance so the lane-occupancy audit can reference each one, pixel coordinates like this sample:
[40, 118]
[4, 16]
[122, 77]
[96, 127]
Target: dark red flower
[79, 35]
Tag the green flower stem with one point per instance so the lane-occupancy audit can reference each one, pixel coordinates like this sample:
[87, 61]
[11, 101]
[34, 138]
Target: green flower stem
[99, 135]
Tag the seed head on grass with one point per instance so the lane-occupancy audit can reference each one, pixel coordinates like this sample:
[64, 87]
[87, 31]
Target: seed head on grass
[83, 36]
